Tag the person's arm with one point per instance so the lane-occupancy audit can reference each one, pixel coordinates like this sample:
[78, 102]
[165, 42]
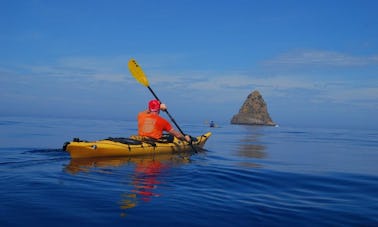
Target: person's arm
[173, 132]
[179, 135]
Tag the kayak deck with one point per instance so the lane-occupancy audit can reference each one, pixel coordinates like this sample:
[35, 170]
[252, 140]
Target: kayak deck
[130, 147]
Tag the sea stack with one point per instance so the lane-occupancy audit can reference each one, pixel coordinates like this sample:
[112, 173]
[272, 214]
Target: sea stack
[253, 112]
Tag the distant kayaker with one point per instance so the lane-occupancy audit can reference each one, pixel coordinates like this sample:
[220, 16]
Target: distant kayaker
[151, 124]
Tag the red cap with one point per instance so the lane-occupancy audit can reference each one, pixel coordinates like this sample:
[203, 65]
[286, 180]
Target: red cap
[154, 105]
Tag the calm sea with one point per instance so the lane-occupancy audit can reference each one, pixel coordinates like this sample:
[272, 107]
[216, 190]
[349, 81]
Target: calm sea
[248, 176]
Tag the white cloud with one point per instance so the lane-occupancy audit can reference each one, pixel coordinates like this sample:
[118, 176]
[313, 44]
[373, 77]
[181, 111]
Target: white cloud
[321, 58]
[367, 96]
[225, 86]
[315, 89]
[81, 69]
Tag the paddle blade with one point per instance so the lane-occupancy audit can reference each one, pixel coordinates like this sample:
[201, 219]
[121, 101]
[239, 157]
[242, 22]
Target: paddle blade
[137, 72]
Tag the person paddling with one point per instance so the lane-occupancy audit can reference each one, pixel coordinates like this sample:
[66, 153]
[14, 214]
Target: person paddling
[152, 125]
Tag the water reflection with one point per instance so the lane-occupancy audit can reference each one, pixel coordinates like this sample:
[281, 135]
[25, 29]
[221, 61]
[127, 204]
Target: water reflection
[251, 145]
[144, 178]
[252, 151]
[145, 182]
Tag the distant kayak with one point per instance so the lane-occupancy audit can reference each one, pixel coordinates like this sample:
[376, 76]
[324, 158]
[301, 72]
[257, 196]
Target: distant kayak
[212, 124]
[133, 146]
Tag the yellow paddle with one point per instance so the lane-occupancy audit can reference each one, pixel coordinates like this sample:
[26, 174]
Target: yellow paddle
[138, 74]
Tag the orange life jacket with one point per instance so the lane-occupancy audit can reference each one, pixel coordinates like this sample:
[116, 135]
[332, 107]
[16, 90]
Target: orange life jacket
[152, 125]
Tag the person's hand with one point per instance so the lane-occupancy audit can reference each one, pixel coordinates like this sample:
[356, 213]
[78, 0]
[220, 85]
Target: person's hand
[163, 107]
[188, 138]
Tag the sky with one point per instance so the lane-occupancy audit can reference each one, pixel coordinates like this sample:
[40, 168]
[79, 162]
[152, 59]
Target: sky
[314, 62]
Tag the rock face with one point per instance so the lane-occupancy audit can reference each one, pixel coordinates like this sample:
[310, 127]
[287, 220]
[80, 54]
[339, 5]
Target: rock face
[253, 112]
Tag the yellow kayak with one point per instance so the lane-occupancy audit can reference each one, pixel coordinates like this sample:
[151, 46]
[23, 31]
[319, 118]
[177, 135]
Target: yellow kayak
[133, 146]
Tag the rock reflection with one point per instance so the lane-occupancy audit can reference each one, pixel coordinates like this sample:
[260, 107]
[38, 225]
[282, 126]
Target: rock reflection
[251, 145]
[252, 151]
[144, 179]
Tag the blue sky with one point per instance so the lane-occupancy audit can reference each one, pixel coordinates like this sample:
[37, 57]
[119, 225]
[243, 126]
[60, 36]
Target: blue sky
[314, 62]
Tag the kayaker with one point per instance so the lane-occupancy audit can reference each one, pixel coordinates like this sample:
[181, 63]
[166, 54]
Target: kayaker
[152, 125]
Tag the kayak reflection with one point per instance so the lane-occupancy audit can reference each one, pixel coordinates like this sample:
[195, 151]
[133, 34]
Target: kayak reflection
[88, 164]
[144, 179]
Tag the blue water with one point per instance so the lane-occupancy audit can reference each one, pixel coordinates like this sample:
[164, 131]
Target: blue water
[248, 176]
